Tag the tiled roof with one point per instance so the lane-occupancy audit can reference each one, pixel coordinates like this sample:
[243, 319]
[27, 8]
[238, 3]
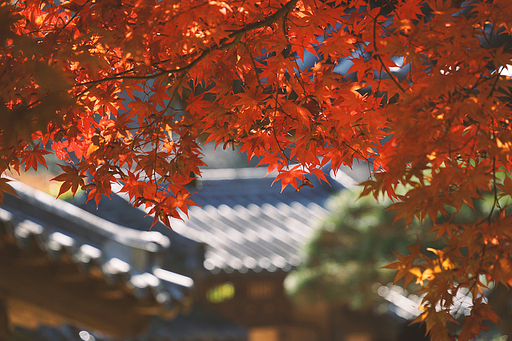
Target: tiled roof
[122, 256]
[185, 256]
[247, 224]
[406, 305]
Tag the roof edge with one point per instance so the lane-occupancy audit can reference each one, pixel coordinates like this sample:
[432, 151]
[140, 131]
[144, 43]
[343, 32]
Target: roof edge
[77, 215]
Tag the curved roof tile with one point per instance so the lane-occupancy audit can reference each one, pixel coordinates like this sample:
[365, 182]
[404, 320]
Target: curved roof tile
[248, 224]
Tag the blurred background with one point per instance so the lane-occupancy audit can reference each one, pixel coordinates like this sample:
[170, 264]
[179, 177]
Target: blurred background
[250, 263]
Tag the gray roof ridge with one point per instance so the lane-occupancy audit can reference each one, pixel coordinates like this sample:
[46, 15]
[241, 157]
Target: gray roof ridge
[81, 217]
[260, 172]
[235, 173]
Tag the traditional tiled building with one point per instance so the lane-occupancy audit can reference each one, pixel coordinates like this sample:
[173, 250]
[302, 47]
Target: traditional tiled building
[252, 236]
[65, 267]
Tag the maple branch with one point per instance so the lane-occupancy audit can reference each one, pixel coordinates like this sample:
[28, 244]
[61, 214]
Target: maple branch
[495, 83]
[254, 67]
[494, 190]
[379, 57]
[73, 17]
[356, 151]
[289, 44]
[275, 135]
[496, 201]
[224, 45]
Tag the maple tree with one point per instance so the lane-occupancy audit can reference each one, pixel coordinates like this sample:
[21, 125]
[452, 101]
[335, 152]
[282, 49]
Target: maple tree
[126, 87]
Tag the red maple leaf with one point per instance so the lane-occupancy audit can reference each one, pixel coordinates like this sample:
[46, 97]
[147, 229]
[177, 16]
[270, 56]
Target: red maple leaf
[291, 176]
[72, 180]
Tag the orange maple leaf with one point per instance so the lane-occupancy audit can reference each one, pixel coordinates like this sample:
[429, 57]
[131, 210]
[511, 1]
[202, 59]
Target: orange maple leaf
[34, 156]
[72, 180]
[291, 176]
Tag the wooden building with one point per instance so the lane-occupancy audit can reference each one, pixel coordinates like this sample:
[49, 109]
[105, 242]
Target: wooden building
[63, 267]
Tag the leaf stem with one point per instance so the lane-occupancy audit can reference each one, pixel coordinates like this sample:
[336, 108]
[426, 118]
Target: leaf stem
[380, 58]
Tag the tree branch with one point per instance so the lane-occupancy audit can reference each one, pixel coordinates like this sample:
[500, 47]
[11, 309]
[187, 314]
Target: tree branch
[232, 40]
[380, 58]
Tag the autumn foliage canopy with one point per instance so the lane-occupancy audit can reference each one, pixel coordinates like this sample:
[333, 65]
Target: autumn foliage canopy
[417, 88]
